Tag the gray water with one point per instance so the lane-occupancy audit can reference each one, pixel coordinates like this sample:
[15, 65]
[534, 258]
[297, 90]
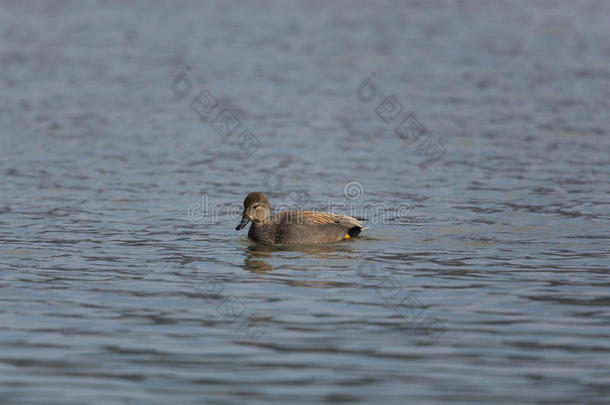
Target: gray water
[483, 276]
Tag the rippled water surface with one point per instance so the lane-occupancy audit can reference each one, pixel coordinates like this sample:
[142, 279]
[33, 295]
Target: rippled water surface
[122, 277]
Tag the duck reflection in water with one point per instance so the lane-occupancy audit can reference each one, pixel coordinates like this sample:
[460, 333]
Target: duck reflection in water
[257, 253]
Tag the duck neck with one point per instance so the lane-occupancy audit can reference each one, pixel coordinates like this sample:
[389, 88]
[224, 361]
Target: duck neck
[261, 222]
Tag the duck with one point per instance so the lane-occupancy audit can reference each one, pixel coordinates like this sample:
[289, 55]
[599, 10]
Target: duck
[294, 226]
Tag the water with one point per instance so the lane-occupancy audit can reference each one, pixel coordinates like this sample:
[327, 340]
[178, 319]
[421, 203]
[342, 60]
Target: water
[123, 279]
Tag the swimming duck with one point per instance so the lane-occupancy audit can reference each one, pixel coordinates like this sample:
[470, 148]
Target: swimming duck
[294, 226]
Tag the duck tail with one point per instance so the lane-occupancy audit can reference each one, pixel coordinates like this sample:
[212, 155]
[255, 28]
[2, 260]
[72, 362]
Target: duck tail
[355, 231]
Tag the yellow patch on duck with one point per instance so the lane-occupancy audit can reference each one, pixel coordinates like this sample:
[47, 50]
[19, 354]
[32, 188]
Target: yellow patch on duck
[347, 236]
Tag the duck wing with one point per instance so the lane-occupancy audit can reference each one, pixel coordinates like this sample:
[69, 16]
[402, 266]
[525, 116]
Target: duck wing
[316, 218]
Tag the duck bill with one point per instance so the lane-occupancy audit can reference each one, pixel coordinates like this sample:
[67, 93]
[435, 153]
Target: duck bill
[244, 222]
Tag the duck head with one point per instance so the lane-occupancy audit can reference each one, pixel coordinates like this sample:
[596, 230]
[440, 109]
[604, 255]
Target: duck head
[256, 209]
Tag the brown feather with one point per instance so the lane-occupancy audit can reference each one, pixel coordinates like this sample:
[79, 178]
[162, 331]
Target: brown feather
[315, 217]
